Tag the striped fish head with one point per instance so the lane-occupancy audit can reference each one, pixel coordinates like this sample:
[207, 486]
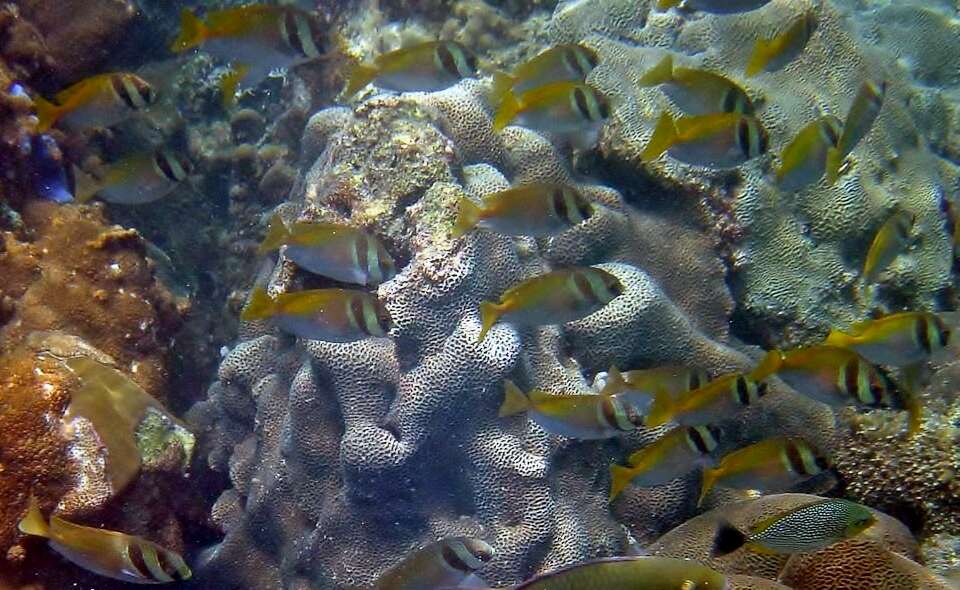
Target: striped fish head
[570, 205]
[302, 33]
[465, 554]
[703, 440]
[132, 91]
[801, 459]
[751, 137]
[151, 563]
[580, 60]
[172, 165]
[455, 60]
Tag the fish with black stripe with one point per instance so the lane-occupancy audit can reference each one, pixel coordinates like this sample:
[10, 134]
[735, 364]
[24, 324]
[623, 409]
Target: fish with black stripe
[723, 397]
[891, 240]
[639, 386]
[769, 55]
[698, 92]
[540, 209]
[863, 112]
[134, 180]
[552, 298]
[573, 110]
[717, 140]
[804, 160]
[112, 554]
[673, 455]
[337, 251]
[770, 465]
[426, 67]
[569, 62]
[99, 101]
[899, 339]
[447, 563]
[331, 315]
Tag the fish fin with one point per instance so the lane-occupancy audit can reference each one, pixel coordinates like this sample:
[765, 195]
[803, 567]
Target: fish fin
[489, 314]
[661, 411]
[259, 307]
[663, 137]
[193, 32]
[360, 76]
[502, 84]
[665, 4]
[710, 476]
[834, 161]
[85, 186]
[763, 52]
[911, 388]
[838, 339]
[514, 400]
[769, 365]
[507, 111]
[468, 213]
[33, 523]
[229, 83]
[727, 539]
[620, 478]
[614, 382]
[277, 235]
[47, 113]
[658, 74]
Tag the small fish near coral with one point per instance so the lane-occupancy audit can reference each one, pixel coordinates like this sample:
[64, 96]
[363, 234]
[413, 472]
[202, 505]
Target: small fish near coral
[718, 140]
[425, 67]
[770, 55]
[863, 112]
[540, 209]
[639, 387]
[723, 397]
[136, 179]
[698, 92]
[103, 100]
[449, 562]
[572, 110]
[630, 573]
[804, 160]
[331, 315]
[562, 63]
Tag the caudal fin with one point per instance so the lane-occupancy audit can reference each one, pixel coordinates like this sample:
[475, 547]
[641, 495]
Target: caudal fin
[664, 136]
[229, 83]
[47, 113]
[502, 84]
[85, 186]
[489, 314]
[33, 523]
[728, 539]
[192, 32]
[659, 74]
[277, 235]
[260, 306]
[360, 76]
[834, 161]
[468, 214]
[661, 411]
[514, 400]
[506, 112]
[763, 52]
[710, 477]
[620, 478]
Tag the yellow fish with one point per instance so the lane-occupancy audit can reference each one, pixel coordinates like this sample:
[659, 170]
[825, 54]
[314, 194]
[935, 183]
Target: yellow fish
[719, 140]
[138, 179]
[863, 112]
[769, 465]
[449, 562]
[769, 55]
[569, 62]
[715, 6]
[584, 417]
[256, 39]
[567, 108]
[630, 573]
[724, 396]
[107, 553]
[804, 160]
[553, 298]
[698, 92]
[98, 101]
[332, 315]
[898, 340]
[340, 252]
[891, 240]
[533, 210]
[673, 455]
[420, 68]
[638, 387]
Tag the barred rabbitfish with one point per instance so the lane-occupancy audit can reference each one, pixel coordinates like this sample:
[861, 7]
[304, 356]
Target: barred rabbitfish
[804, 160]
[698, 92]
[540, 209]
[331, 315]
[99, 101]
[769, 55]
[718, 140]
[449, 562]
[721, 398]
[426, 67]
[568, 62]
[137, 179]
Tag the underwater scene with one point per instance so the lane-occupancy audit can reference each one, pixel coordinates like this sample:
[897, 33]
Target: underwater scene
[480, 294]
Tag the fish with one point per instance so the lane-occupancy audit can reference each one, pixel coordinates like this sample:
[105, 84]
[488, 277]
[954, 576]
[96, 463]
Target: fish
[892, 239]
[112, 554]
[863, 112]
[331, 315]
[103, 100]
[426, 67]
[771, 464]
[633, 573]
[555, 297]
[718, 399]
[769, 55]
[898, 340]
[838, 377]
[638, 387]
[567, 108]
[583, 417]
[673, 455]
[337, 251]
[804, 160]
[569, 62]
[540, 209]
[715, 6]
[718, 140]
[698, 92]
[448, 562]
[135, 180]
[256, 39]
[803, 529]
[50, 175]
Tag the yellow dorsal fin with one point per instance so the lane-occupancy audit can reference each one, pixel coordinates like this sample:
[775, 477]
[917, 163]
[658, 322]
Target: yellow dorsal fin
[277, 235]
[763, 51]
[507, 111]
[767, 366]
[658, 74]
[620, 478]
[514, 401]
[360, 76]
[502, 84]
[33, 523]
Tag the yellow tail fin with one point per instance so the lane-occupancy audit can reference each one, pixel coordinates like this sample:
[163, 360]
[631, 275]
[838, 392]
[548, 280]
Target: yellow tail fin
[506, 112]
[229, 83]
[664, 136]
[620, 478]
[834, 161]
[192, 32]
[502, 83]
[665, 4]
[761, 56]
[489, 314]
[468, 214]
[661, 411]
[514, 400]
[259, 307]
[659, 74]
[360, 76]
[277, 235]
[47, 113]
[615, 383]
[911, 387]
[85, 186]
[710, 477]
[33, 523]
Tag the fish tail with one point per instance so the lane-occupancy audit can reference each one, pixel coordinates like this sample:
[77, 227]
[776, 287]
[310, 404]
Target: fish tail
[193, 32]
[614, 382]
[360, 76]
[47, 113]
[710, 477]
[620, 478]
[502, 84]
[507, 111]
[763, 52]
[260, 306]
[85, 186]
[659, 74]
[229, 83]
[769, 365]
[277, 235]
[911, 385]
[514, 400]
[663, 137]
[489, 314]
[728, 539]
[834, 161]
[33, 523]
[661, 411]
[665, 4]
[468, 214]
